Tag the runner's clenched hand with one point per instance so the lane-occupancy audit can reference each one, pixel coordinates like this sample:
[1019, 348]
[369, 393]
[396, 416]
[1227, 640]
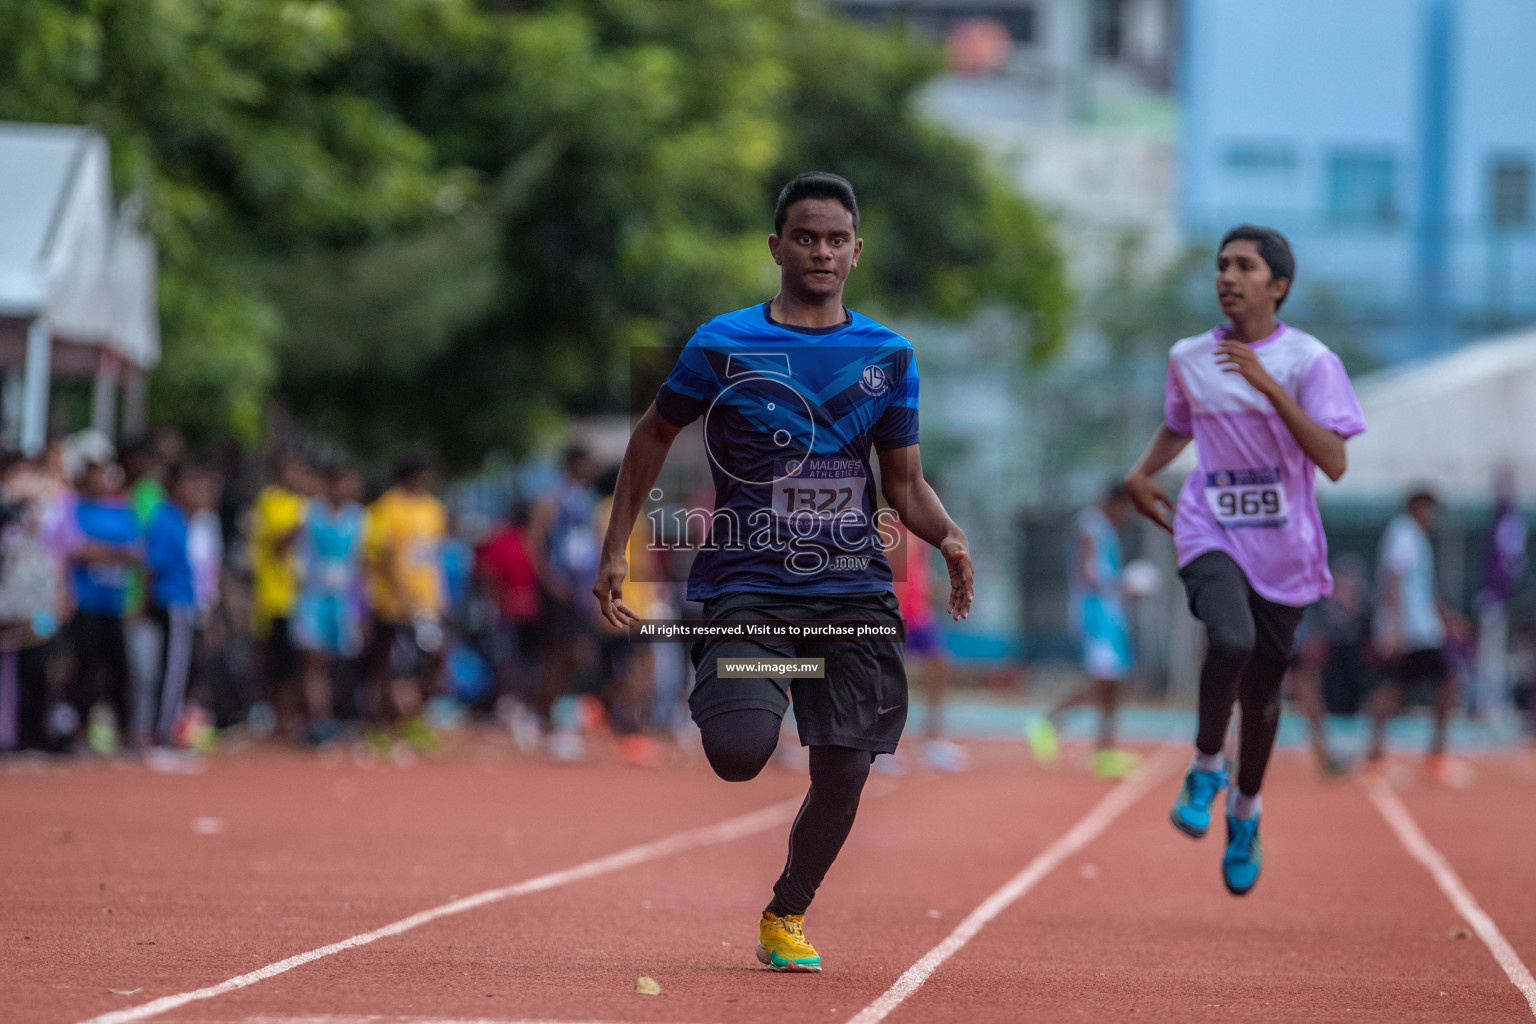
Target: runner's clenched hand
[1150, 500]
[1237, 357]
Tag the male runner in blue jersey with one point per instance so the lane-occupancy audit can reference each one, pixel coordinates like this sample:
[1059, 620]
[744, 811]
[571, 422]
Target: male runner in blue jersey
[794, 393]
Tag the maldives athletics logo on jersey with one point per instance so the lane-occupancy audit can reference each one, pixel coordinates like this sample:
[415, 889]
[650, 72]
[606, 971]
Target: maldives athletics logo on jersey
[874, 381]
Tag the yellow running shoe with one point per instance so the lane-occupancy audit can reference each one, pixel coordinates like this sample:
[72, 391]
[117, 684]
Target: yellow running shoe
[1114, 764]
[1043, 742]
[781, 944]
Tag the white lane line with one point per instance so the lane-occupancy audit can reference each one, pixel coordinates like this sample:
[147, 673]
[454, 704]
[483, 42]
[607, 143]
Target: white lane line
[708, 835]
[371, 1018]
[1084, 832]
[1450, 883]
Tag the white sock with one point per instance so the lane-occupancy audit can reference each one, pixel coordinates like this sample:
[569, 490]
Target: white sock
[1209, 762]
[1243, 806]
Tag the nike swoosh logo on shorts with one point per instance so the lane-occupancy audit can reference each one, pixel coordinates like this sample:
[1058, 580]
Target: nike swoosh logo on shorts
[886, 711]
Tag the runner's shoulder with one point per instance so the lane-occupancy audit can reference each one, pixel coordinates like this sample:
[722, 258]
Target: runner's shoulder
[872, 332]
[1307, 346]
[1195, 343]
[728, 327]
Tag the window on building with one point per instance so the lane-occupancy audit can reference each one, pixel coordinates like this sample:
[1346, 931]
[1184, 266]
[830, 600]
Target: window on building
[939, 19]
[1509, 193]
[1362, 188]
[1259, 156]
[1108, 28]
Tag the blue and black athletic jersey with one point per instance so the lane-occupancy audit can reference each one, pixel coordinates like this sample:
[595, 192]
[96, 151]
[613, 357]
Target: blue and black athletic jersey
[790, 416]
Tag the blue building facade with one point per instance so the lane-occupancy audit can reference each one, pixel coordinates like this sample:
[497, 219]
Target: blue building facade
[1394, 142]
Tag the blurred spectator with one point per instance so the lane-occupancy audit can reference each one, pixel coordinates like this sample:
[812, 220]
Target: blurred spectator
[205, 550]
[458, 554]
[172, 606]
[32, 602]
[403, 549]
[1410, 631]
[275, 521]
[506, 573]
[102, 567]
[1094, 567]
[1503, 567]
[628, 671]
[142, 472]
[565, 548]
[1328, 671]
[328, 626]
[914, 585]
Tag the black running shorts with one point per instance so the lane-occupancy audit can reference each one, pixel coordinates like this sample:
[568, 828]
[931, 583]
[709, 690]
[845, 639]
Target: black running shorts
[862, 702]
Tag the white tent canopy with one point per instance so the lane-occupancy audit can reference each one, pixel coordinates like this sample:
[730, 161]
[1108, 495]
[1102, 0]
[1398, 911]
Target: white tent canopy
[73, 271]
[1450, 423]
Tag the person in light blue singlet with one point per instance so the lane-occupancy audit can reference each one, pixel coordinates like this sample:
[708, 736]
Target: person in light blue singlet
[328, 624]
[1098, 617]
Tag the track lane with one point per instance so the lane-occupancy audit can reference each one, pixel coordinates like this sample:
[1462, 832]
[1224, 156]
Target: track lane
[106, 885]
[1343, 927]
[574, 954]
[1486, 832]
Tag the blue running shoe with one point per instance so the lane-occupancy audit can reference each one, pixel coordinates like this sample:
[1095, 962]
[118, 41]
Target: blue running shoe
[1244, 857]
[1191, 812]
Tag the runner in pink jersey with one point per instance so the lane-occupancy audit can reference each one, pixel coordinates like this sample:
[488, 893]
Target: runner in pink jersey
[1267, 406]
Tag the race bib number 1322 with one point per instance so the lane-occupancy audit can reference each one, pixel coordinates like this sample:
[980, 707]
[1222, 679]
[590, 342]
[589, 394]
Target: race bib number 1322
[1247, 497]
[819, 487]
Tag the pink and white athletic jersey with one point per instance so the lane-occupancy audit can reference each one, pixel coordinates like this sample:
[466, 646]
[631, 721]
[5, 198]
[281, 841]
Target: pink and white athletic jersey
[1252, 493]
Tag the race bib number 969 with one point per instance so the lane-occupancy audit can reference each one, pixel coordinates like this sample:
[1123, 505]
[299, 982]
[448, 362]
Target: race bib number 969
[1247, 497]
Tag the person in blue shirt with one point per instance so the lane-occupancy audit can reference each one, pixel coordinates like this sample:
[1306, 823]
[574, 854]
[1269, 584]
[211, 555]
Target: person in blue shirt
[1099, 619]
[794, 393]
[172, 604]
[328, 622]
[101, 568]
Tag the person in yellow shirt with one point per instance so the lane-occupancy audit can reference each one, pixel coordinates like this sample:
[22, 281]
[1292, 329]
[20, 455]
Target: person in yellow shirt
[402, 545]
[275, 522]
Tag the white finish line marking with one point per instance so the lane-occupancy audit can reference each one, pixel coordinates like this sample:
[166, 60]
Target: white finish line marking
[1418, 847]
[708, 835]
[1084, 832]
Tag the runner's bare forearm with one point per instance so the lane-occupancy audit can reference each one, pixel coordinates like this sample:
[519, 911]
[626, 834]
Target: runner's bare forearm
[906, 491]
[643, 459]
[1165, 447]
[1323, 446]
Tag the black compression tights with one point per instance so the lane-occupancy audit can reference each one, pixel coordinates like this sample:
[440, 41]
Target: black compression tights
[1248, 642]
[738, 745]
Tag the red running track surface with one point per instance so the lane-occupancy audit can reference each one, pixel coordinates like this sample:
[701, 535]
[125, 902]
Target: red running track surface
[107, 886]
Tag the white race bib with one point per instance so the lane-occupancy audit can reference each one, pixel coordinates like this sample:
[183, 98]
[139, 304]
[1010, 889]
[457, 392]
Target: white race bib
[1247, 498]
[820, 487]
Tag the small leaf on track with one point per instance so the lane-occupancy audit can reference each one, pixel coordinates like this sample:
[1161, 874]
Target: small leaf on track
[647, 986]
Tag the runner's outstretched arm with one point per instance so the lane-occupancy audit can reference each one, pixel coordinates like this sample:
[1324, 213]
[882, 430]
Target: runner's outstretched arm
[906, 491]
[1323, 446]
[1149, 499]
[643, 459]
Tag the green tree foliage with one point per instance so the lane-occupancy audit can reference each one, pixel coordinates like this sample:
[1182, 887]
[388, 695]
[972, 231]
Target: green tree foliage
[444, 219]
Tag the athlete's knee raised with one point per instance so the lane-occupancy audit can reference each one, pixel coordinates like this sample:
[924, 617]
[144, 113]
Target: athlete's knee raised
[738, 744]
[735, 765]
